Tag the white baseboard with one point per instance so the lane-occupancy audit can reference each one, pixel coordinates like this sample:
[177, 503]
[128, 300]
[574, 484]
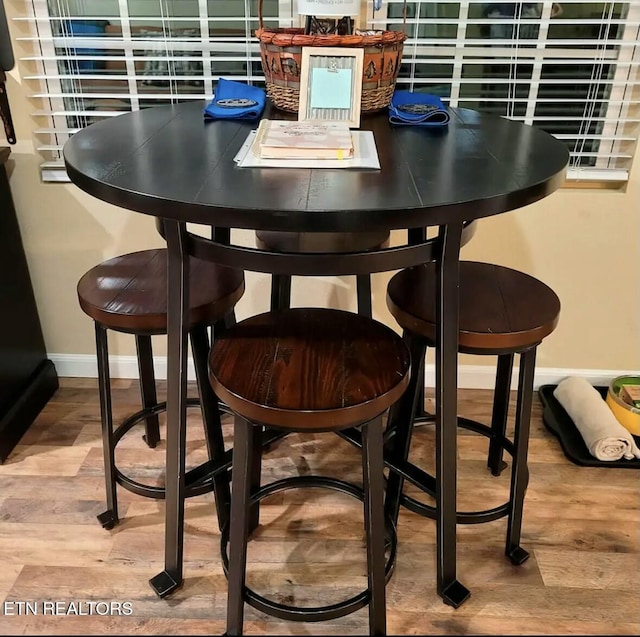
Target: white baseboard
[469, 376]
[85, 366]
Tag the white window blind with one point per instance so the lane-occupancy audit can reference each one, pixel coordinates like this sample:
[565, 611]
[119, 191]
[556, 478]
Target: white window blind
[570, 68]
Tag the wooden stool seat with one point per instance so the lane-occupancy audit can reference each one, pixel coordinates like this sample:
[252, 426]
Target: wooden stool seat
[500, 308]
[311, 369]
[129, 293]
[302, 370]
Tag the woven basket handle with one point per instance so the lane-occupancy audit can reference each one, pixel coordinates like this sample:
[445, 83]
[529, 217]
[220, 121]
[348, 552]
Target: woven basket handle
[404, 16]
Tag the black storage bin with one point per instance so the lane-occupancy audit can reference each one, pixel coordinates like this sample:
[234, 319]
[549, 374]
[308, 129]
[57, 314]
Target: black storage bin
[27, 378]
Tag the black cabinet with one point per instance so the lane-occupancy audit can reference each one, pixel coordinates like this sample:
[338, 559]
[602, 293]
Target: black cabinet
[27, 378]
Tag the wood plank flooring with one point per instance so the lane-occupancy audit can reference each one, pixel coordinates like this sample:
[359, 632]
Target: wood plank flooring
[581, 526]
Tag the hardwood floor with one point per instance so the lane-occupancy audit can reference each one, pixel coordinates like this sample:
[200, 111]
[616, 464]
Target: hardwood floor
[581, 526]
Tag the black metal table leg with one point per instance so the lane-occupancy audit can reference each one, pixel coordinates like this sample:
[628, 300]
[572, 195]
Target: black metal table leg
[447, 318]
[178, 305]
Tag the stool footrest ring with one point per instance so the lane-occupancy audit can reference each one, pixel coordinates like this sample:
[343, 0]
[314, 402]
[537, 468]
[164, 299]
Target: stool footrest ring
[198, 480]
[426, 482]
[311, 613]
[147, 490]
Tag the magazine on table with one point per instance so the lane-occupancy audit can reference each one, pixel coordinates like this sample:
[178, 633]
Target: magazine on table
[298, 140]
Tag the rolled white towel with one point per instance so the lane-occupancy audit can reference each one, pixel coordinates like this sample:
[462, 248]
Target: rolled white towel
[604, 436]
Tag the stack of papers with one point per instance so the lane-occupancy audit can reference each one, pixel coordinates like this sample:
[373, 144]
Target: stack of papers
[365, 155]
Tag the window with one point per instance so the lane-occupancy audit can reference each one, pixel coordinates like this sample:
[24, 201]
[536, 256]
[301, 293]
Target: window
[570, 68]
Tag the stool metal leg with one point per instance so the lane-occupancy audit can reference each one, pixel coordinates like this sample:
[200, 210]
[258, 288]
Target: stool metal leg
[256, 474]
[402, 424]
[417, 376]
[243, 445]
[211, 421]
[219, 328]
[280, 292]
[419, 406]
[415, 236]
[363, 288]
[372, 470]
[109, 518]
[230, 319]
[499, 414]
[519, 471]
[148, 388]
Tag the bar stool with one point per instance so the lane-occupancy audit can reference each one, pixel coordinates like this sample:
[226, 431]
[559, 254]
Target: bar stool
[308, 370]
[503, 312]
[327, 242]
[129, 294]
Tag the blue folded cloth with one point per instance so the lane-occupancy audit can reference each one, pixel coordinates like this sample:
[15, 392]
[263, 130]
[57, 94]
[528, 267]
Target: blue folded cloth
[236, 100]
[417, 109]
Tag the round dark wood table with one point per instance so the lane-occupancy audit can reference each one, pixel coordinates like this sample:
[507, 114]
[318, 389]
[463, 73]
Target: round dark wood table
[170, 163]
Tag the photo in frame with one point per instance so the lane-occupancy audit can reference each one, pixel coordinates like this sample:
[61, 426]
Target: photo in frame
[331, 85]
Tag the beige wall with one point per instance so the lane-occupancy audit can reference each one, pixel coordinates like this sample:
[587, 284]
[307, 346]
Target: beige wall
[583, 243]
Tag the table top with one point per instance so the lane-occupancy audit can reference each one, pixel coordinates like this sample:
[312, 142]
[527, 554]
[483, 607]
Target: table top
[169, 162]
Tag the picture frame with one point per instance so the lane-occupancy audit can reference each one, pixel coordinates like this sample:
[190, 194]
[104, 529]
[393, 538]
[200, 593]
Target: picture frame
[331, 85]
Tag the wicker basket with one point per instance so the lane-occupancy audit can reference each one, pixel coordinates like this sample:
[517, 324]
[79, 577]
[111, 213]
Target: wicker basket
[281, 54]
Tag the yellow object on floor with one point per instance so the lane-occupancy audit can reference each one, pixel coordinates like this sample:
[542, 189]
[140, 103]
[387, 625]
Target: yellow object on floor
[627, 415]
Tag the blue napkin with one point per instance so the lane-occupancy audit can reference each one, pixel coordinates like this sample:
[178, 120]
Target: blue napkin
[236, 100]
[417, 109]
